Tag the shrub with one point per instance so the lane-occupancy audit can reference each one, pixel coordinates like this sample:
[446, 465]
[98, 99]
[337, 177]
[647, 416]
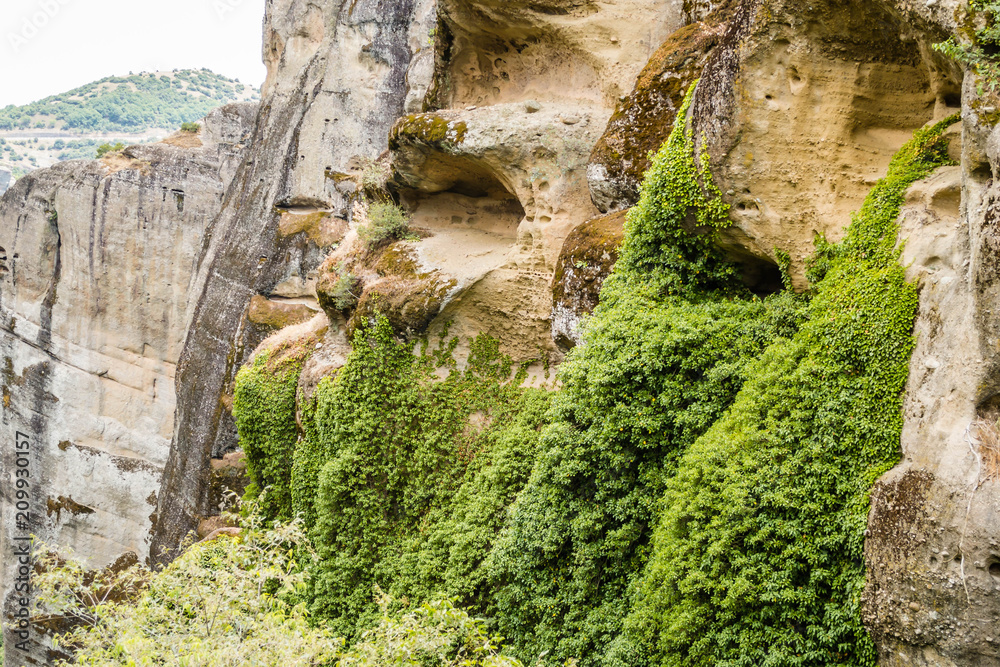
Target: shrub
[666, 353]
[385, 221]
[191, 127]
[342, 294]
[400, 484]
[264, 409]
[105, 149]
[436, 633]
[757, 558]
[226, 602]
[980, 54]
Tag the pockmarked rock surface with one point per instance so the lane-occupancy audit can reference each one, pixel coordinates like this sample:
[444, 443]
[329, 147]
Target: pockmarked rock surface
[532, 85]
[794, 111]
[98, 260]
[513, 135]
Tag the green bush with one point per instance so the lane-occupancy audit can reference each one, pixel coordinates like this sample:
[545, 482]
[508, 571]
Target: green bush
[392, 461]
[105, 149]
[385, 221]
[264, 408]
[191, 127]
[666, 353]
[757, 559]
[342, 294]
[980, 53]
[436, 633]
[229, 602]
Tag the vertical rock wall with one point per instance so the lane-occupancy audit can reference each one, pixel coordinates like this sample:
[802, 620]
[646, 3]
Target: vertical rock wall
[96, 265]
[339, 75]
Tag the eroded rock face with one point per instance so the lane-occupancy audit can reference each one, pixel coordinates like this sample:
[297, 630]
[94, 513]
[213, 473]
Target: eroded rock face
[339, 75]
[586, 261]
[95, 282]
[933, 550]
[794, 111]
[644, 119]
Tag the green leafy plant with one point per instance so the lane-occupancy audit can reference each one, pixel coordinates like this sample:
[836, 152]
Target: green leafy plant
[264, 409]
[191, 127]
[757, 558]
[392, 454]
[230, 601]
[343, 293]
[665, 354]
[385, 221]
[436, 633]
[105, 149]
[980, 53]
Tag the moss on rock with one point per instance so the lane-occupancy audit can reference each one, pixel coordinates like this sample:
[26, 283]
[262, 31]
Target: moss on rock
[429, 129]
[643, 121]
[587, 258]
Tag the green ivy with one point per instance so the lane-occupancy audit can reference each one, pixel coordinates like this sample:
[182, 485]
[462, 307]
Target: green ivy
[695, 494]
[980, 51]
[666, 353]
[757, 559]
[406, 473]
[264, 408]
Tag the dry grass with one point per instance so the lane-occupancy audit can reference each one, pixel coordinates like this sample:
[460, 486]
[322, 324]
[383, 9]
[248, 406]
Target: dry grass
[183, 140]
[988, 434]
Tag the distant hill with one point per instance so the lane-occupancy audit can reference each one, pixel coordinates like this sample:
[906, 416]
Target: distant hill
[129, 104]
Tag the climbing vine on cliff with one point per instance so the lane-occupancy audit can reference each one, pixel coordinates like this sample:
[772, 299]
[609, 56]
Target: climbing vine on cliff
[757, 559]
[696, 492]
[666, 353]
[406, 468]
[264, 409]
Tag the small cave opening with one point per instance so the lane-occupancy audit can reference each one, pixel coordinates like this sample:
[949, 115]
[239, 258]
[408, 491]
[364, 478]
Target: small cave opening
[761, 276]
[994, 569]
[456, 193]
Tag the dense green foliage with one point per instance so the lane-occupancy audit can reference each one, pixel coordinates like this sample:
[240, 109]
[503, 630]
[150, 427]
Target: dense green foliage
[695, 494]
[132, 103]
[264, 408]
[758, 556]
[980, 51]
[396, 470]
[229, 602]
[435, 634]
[666, 353]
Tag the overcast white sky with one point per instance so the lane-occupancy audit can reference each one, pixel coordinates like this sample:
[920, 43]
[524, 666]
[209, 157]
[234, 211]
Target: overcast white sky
[51, 46]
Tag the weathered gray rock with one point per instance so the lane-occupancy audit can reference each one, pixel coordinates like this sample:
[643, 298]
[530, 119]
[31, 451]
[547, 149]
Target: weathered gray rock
[97, 264]
[339, 75]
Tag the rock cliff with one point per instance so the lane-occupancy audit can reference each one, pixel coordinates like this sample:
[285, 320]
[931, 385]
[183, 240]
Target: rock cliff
[514, 137]
[98, 266]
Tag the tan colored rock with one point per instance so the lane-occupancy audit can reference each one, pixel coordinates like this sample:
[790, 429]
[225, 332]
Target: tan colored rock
[497, 190]
[587, 258]
[644, 119]
[933, 552]
[802, 108]
[505, 51]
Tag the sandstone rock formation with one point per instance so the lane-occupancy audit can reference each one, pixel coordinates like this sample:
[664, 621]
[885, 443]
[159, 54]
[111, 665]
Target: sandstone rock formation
[504, 130]
[792, 110]
[933, 550]
[98, 261]
[526, 88]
